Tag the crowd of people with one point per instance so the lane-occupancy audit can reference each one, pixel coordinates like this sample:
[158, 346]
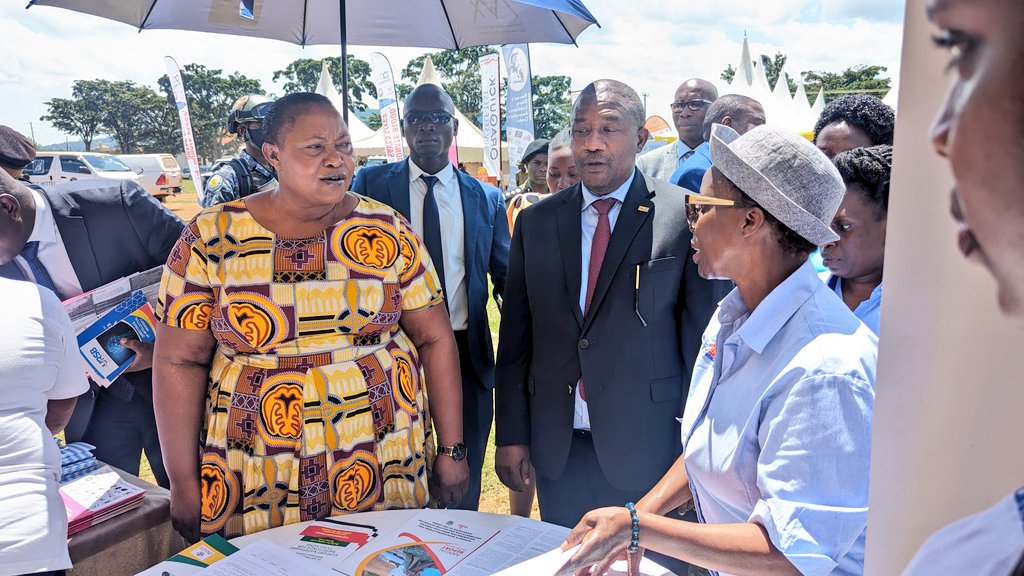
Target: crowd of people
[673, 377]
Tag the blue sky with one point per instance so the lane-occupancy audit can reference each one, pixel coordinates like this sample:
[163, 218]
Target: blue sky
[653, 45]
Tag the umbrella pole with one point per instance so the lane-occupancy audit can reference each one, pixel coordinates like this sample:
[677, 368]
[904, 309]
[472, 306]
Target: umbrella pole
[344, 59]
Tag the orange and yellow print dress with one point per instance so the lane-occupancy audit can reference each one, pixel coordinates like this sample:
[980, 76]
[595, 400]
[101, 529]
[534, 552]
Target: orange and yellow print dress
[315, 405]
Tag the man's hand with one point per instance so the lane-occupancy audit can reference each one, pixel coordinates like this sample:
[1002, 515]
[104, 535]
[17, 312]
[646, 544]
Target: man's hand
[186, 505]
[512, 463]
[449, 480]
[143, 354]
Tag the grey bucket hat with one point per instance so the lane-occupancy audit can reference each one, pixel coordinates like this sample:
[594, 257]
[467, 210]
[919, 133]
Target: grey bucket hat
[785, 174]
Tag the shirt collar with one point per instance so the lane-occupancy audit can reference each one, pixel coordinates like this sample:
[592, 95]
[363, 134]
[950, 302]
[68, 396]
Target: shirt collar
[682, 148]
[619, 193]
[775, 310]
[444, 176]
[45, 227]
[251, 164]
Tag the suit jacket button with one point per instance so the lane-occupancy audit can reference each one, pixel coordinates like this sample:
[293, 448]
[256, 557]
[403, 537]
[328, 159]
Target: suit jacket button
[584, 343]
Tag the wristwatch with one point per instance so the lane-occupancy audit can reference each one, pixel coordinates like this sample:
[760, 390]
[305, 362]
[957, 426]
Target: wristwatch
[457, 452]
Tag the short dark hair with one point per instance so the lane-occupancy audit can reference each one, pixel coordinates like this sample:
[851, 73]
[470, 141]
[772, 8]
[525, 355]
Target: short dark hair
[869, 169]
[868, 113]
[789, 241]
[728, 105]
[626, 96]
[286, 110]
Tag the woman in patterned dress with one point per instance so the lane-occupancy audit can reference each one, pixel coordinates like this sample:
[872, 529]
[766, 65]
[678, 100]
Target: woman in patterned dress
[300, 336]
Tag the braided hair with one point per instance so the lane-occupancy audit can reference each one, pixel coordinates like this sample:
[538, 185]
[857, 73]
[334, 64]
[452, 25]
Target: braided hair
[867, 170]
[867, 112]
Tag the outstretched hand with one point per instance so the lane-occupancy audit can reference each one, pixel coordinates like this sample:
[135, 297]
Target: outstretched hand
[603, 536]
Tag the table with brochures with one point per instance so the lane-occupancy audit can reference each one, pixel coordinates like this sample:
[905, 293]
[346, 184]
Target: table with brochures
[130, 542]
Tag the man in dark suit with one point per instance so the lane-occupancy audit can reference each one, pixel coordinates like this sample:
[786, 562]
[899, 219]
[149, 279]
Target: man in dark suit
[73, 238]
[601, 323]
[462, 222]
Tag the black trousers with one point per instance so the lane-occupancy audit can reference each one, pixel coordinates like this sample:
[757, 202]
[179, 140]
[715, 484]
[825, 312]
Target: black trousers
[477, 415]
[582, 488]
[121, 430]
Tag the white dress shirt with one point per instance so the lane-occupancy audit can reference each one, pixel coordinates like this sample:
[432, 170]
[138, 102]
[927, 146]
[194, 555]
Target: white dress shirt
[448, 194]
[51, 253]
[777, 424]
[588, 220]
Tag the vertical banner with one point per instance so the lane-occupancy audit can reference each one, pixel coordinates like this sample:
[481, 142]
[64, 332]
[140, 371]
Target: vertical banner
[188, 142]
[519, 101]
[490, 106]
[387, 101]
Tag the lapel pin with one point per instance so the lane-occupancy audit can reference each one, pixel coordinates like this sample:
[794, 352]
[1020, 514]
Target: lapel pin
[642, 209]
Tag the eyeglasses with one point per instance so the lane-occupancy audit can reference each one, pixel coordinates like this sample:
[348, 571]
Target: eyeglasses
[416, 118]
[695, 105]
[697, 206]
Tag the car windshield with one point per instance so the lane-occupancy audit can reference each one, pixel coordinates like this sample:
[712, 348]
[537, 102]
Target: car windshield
[106, 163]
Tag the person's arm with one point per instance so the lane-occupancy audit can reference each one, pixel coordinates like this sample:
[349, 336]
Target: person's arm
[180, 372]
[431, 333]
[156, 227]
[58, 413]
[499, 248]
[70, 380]
[511, 403]
[671, 492]
[741, 549]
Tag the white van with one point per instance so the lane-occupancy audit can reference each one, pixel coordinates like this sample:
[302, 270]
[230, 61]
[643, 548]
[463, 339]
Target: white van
[159, 174]
[55, 167]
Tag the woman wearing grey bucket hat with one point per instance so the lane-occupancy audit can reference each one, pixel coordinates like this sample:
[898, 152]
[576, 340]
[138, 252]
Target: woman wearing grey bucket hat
[777, 426]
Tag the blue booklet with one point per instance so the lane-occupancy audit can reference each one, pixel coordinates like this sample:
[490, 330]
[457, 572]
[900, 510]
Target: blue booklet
[100, 343]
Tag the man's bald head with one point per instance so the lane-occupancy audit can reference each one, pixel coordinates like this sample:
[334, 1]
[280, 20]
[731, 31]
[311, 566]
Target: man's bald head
[689, 108]
[607, 133]
[741, 113]
[618, 93]
[17, 216]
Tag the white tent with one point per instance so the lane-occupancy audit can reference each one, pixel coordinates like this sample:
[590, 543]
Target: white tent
[325, 86]
[470, 139]
[781, 108]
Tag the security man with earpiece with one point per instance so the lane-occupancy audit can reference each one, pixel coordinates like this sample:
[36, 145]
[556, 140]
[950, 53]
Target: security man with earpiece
[249, 172]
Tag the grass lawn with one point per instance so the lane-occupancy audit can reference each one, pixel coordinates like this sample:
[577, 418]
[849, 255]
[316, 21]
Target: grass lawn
[493, 494]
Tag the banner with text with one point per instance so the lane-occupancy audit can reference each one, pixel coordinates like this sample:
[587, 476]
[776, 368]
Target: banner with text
[387, 101]
[518, 101]
[188, 141]
[490, 106]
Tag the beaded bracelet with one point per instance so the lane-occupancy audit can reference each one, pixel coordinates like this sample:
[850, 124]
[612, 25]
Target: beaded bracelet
[634, 541]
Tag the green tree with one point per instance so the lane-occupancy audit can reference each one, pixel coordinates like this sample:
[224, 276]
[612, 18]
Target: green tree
[551, 104]
[460, 74]
[210, 95]
[859, 79]
[303, 75]
[373, 121]
[81, 115]
[129, 112]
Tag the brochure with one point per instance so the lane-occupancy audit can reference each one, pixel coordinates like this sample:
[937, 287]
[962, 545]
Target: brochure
[100, 343]
[331, 541]
[98, 496]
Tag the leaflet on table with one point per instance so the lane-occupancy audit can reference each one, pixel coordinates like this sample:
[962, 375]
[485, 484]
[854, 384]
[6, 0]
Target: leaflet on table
[431, 543]
[264, 558]
[98, 496]
[330, 541]
[553, 561]
[518, 541]
[100, 343]
[87, 308]
[192, 560]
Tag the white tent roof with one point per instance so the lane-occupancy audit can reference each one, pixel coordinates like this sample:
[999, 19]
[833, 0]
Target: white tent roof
[781, 109]
[325, 86]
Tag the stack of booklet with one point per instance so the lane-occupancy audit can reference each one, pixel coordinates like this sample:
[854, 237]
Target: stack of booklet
[76, 460]
[98, 496]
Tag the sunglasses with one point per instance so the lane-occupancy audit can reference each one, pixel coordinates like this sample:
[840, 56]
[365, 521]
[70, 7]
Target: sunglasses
[417, 118]
[694, 105]
[697, 206]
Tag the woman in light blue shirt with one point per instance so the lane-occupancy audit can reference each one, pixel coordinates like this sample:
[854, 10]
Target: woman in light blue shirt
[776, 430]
[855, 259]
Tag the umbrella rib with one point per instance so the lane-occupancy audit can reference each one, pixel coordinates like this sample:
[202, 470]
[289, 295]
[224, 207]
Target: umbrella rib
[455, 41]
[148, 12]
[305, 11]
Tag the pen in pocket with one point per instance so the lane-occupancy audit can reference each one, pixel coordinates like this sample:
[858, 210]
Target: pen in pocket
[636, 296]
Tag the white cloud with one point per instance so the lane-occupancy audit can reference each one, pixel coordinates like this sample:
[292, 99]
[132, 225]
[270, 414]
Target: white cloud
[652, 45]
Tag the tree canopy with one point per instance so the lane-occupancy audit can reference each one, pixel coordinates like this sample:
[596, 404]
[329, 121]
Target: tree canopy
[862, 78]
[302, 75]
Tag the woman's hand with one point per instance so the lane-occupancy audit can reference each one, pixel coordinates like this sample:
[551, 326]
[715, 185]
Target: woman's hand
[449, 480]
[186, 504]
[603, 536]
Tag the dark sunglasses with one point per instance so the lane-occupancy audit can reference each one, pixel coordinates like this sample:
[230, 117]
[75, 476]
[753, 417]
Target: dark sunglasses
[697, 206]
[694, 105]
[416, 118]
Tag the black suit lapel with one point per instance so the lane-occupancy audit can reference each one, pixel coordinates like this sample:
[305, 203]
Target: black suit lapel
[634, 212]
[75, 237]
[569, 236]
[398, 188]
[472, 213]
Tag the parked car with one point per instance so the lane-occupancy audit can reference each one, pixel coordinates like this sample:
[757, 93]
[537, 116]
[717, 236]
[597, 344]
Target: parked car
[50, 168]
[204, 171]
[159, 174]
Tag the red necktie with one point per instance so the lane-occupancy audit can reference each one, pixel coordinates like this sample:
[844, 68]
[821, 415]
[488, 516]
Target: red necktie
[598, 247]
